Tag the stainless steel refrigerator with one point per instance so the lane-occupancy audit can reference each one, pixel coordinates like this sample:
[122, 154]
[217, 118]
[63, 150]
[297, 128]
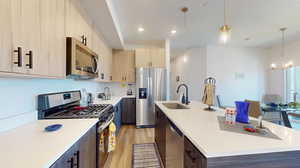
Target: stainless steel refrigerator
[151, 87]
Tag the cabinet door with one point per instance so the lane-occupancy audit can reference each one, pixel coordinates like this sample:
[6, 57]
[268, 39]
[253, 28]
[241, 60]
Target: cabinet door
[87, 149]
[160, 133]
[17, 36]
[108, 66]
[142, 57]
[67, 158]
[130, 67]
[6, 46]
[158, 57]
[119, 64]
[73, 19]
[34, 62]
[192, 157]
[53, 37]
[129, 111]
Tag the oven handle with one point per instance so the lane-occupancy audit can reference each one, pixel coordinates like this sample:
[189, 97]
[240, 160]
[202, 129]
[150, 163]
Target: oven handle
[106, 124]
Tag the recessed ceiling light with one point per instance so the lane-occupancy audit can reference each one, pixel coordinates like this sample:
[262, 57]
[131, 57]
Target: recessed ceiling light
[140, 29]
[173, 31]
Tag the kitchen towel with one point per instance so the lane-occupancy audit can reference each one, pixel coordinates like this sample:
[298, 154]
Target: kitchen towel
[102, 142]
[111, 137]
[209, 94]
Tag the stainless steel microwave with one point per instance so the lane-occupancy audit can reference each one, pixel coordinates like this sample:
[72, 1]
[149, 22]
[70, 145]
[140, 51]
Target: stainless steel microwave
[82, 62]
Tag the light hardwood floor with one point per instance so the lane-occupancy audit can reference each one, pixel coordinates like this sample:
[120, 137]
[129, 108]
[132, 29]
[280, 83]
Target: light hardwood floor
[129, 135]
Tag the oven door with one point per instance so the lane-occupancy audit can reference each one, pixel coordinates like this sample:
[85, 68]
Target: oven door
[82, 62]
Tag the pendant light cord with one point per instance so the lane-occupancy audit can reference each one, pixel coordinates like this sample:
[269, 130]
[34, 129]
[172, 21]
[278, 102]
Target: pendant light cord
[283, 44]
[225, 12]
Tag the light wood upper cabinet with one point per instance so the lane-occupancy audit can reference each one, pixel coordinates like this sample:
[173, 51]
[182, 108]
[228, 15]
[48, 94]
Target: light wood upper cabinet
[123, 66]
[142, 57]
[104, 57]
[6, 36]
[33, 37]
[150, 57]
[158, 58]
[21, 37]
[130, 67]
[53, 48]
[77, 23]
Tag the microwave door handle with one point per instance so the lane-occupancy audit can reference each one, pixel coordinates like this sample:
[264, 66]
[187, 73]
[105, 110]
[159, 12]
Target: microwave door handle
[97, 65]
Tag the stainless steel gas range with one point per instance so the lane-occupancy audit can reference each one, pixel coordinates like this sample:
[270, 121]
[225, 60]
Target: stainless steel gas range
[66, 105]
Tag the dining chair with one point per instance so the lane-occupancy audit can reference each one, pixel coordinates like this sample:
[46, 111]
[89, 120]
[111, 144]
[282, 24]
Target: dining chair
[254, 109]
[219, 103]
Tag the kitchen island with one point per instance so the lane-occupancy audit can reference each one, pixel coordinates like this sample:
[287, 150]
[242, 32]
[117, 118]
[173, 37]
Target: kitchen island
[218, 148]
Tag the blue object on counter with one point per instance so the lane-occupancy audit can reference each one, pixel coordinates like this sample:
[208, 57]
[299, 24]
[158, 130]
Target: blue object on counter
[53, 127]
[242, 112]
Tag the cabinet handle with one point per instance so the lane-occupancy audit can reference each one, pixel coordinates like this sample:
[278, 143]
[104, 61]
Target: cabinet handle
[19, 51]
[83, 39]
[29, 54]
[77, 154]
[71, 161]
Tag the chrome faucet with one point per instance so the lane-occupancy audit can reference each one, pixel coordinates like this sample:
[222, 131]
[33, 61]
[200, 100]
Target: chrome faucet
[185, 99]
[107, 93]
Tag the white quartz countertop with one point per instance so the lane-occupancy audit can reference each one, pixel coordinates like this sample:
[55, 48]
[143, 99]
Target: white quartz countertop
[202, 129]
[113, 101]
[29, 146]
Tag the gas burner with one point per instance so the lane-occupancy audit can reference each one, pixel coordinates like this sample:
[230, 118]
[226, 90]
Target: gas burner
[93, 111]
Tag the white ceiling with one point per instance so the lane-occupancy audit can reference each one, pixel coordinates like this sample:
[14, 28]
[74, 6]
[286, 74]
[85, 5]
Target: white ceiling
[104, 17]
[258, 19]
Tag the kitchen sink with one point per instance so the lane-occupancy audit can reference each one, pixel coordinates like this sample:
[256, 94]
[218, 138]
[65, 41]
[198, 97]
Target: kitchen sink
[175, 106]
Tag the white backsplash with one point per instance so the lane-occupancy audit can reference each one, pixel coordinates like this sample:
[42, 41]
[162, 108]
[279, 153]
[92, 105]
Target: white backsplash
[119, 89]
[18, 97]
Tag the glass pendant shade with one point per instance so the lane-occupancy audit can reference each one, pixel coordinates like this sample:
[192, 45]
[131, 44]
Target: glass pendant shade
[225, 34]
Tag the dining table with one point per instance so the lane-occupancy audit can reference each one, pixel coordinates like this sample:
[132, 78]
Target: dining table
[285, 111]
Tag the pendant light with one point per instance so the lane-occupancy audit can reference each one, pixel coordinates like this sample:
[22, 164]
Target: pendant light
[285, 65]
[225, 29]
[184, 10]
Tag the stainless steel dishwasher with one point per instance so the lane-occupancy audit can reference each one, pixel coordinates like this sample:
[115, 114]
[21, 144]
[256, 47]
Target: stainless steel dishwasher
[174, 147]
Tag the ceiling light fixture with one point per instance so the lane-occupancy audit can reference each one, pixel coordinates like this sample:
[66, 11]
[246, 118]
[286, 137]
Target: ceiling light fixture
[285, 65]
[225, 29]
[173, 31]
[140, 29]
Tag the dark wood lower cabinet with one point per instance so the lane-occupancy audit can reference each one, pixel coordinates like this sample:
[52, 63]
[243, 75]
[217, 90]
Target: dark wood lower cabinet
[82, 154]
[192, 157]
[160, 133]
[129, 111]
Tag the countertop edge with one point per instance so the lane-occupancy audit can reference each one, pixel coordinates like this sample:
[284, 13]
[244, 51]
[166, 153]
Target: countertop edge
[216, 155]
[70, 145]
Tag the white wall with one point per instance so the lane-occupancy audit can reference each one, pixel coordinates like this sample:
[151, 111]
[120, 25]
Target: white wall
[240, 72]
[18, 97]
[275, 78]
[191, 68]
